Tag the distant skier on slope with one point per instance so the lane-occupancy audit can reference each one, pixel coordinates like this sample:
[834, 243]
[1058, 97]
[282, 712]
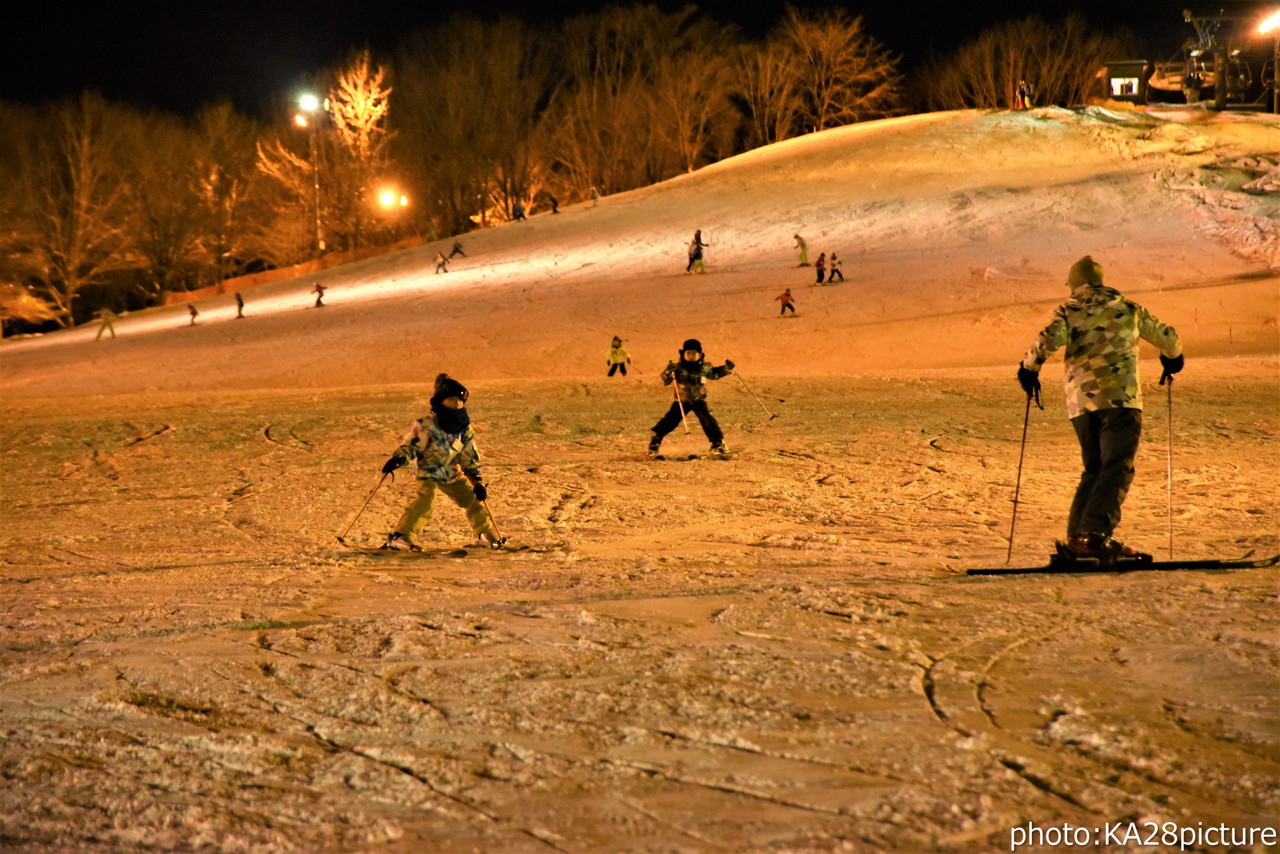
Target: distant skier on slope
[319, 290]
[804, 250]
[443, 447]
[696, 264]
[690, 374]
[617, 358]
[836, 272]
[1100, 330]
[788, 302]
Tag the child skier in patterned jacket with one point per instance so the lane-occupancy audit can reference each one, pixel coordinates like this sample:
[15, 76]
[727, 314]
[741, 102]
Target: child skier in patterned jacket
[690, 374]
[443, 447]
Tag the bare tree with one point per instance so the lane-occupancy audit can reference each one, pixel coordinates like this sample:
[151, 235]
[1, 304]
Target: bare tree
[843, 75]
[228, 190]
[604, 126]
[768, 85]
[466, 116]
[692, 91]
[1059, 62]
[165, 210]
[72, 199]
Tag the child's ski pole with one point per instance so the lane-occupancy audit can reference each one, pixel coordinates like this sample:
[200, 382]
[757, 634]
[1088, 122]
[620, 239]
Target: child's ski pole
[758, 400]
[361, 510]
[680, 403]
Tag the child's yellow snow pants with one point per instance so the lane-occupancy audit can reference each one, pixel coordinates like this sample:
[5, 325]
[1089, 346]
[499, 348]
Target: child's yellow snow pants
[418, 514]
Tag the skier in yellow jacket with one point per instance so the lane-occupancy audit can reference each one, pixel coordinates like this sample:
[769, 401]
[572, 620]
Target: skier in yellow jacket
[617, 358]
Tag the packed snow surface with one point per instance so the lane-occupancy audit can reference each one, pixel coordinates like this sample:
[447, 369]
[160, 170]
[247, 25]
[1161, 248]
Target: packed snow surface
[778, 651]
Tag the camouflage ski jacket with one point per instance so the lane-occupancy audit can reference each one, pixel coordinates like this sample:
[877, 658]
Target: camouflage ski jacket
[1100, 329]
[690, 379]
[440, 456]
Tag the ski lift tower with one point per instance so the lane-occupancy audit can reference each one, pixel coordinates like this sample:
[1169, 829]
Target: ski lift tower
[1210, 43]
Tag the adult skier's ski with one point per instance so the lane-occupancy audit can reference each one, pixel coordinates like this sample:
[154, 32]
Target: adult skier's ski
[1058, 564]
[392, 554]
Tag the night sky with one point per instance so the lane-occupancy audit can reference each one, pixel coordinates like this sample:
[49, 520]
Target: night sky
[179, 55]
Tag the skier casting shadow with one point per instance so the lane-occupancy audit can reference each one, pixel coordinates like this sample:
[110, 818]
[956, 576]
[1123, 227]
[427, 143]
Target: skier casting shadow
[690, 375]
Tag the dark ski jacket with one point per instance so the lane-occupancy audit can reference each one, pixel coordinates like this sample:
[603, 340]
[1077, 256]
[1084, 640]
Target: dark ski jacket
[690, 378]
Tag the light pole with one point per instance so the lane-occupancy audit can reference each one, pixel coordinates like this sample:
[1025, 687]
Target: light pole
[310, 106]
[1272, 25]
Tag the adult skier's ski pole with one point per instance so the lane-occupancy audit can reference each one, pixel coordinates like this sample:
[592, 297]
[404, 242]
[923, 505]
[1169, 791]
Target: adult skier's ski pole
[361, 510]
[758, 400]
[1026, 419]
[1169, 442]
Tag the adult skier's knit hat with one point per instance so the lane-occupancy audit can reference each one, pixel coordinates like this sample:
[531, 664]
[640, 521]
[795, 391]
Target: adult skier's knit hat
[447, 386]
[1085, 271]
[692, 344]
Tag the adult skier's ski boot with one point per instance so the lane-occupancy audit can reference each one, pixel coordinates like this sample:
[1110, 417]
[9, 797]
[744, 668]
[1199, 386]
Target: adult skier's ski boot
[396, 541]
[1098, 547]
[489, 541]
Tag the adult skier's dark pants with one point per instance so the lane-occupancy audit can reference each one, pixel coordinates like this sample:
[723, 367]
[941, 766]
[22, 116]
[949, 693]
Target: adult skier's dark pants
[671, 420]
[1108, 445]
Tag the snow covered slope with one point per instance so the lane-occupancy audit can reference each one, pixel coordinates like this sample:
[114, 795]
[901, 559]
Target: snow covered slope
[955, 231]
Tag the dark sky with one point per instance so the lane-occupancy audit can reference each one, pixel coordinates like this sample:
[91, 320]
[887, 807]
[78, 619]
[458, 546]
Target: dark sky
[178, 54]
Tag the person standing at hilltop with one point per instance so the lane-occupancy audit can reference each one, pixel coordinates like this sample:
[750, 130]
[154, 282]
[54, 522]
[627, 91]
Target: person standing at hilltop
[1100, 330]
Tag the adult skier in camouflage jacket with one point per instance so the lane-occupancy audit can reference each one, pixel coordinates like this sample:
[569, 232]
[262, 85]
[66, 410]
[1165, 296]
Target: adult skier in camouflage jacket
[690, 374]
[443, 446]
[1100, 330]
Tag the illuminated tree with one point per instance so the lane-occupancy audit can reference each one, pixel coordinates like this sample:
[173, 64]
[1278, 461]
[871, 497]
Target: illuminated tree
[166, 213]
[228, 188]
[842, 74]
[358, 106]
[692, 93]
[767, 82]
[468, 99]
[71, 199]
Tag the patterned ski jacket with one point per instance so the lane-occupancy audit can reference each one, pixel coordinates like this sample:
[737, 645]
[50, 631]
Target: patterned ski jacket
[440, 456]
[1100, 329]
[690, 379]
[617, 356]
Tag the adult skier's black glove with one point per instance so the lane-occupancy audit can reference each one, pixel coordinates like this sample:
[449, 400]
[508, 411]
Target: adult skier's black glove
[1171, 367]
[393, 463]
[728, 363]
[481, 492]
[1030, 382]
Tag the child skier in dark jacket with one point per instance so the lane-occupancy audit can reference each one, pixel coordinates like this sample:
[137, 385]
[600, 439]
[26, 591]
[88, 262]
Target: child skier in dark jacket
[443, 447]
[690, 374]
